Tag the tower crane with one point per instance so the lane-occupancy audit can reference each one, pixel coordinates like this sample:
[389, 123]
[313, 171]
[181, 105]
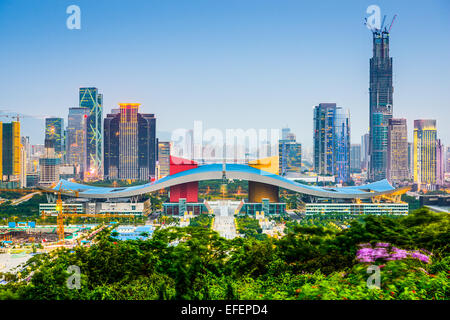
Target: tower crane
[390, 27]
[60, 214]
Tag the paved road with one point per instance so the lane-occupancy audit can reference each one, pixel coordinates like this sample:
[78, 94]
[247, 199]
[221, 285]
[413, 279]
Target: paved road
[224, 218]
[24, 198]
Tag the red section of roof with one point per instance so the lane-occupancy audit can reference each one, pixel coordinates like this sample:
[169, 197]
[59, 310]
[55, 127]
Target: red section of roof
[177, 161]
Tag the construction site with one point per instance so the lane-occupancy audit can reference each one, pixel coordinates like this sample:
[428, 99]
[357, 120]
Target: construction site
[36, 235]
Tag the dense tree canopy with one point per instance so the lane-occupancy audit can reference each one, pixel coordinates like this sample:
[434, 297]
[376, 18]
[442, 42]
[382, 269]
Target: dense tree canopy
[310, 262]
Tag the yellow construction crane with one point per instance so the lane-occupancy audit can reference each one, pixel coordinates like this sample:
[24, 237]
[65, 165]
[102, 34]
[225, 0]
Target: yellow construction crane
[60, 214]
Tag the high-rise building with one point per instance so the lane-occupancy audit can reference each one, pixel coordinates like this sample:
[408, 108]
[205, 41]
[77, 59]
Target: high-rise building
[355, 158]
[284, 133]
[49, 165]
[10, 151]
[447, 157]
[37, 151]
[324, 136]
[54, 130]
[380, 105]
[291, 136]
[23, 166]
[130, 149]
[332, 141]
[25, 141]
[411, 160]
[425, 153]
[164, 158]
[342, 149]
[397, 164]
[290, 157]
[93, 101]
[440, 163]
[365, 151]
[77, 139]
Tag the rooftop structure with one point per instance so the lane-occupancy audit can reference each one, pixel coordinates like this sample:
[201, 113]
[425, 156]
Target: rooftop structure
[229, 171]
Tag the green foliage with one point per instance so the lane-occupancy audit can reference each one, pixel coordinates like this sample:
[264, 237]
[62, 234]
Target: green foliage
[11, 195]
[413, 203]
[202, 220]
[311, 262]
[25, 210]
[250, 228]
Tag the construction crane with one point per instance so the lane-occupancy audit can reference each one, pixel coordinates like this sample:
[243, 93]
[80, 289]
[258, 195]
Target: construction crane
[14, 115]
[378, 30]
[390, 27]
[60, 214]
[17, 117]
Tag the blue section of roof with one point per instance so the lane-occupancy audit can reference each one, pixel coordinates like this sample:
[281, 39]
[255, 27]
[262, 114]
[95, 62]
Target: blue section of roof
[379, 186]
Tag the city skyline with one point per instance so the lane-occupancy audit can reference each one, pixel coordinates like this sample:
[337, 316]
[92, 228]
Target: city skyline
[293, 87]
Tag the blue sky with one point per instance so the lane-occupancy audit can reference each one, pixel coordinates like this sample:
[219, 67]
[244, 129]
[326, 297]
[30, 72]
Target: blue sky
[231, 63]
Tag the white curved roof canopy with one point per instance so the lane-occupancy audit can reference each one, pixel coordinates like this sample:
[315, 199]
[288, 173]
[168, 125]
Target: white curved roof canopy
[232, 171]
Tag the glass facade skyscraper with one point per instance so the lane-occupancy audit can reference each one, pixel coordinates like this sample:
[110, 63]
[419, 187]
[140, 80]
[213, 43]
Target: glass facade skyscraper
[54, 130]
[397, 163]
[425, 141]
[332, 141]
[342, 149]
[290, 156]
[447, 160]
[130, 144]
[365, 151]
[284, 133]
[355, 158]
[164, 158]
[76, 139]
[440, 163]
[380, 105]
[93, 101]
[10, 150]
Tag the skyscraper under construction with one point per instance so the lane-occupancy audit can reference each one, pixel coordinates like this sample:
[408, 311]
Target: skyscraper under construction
[381, 103]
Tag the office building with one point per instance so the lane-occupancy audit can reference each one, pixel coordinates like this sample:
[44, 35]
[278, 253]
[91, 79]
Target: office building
[54, 130]
[397, 164]
[332, 141]
[130, 149]
[164, 158]
[358, 209]
[447, 157]
[291, 136]
[49, 165]
[440, 163]
[290, 157]
[342, 149]
[380, 105]
[411, 160]
[77, 140]
[23, 167]
[425, 143]
[10, 164]
[365, 152]
[355, 158]
[93, 101]
[284, 133]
